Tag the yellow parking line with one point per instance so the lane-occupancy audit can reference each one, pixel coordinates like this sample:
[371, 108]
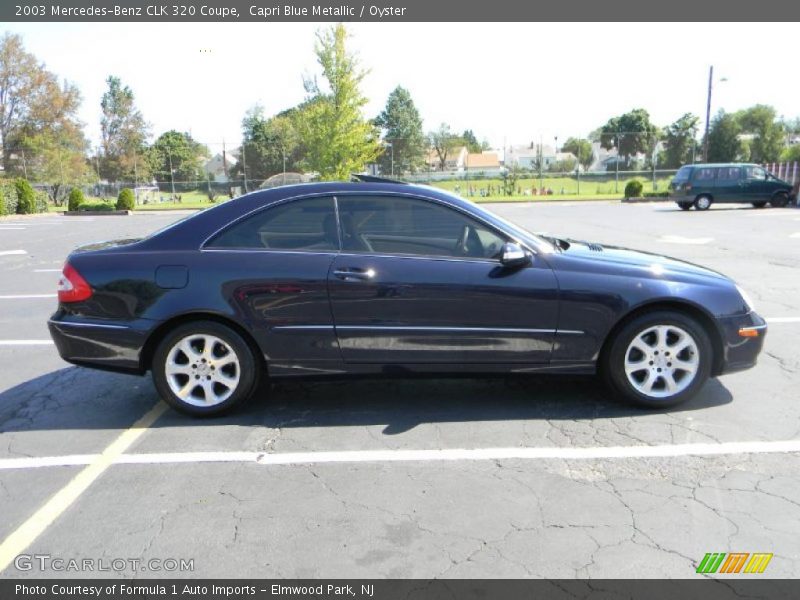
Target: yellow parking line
[26, 534]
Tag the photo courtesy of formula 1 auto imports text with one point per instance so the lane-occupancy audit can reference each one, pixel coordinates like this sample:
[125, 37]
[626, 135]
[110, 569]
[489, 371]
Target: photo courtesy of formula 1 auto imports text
[399, 300]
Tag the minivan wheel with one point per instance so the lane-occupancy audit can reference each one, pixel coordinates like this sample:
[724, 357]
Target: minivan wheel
[779, 200]
[702, 203]
[684, 205]
[659, 359]
[759, 204]
[204, 368]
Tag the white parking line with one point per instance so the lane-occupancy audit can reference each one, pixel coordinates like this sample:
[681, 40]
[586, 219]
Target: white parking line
[677, 239]
[782, 319]
[444, 454]
[47, 270]
[27, 296]
[795, 235]
[26, 342]
[3, 228]
[11, 252]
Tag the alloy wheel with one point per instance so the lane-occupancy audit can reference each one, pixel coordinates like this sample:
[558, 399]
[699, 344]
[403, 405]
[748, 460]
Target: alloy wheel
[202, 370]
[662, 361]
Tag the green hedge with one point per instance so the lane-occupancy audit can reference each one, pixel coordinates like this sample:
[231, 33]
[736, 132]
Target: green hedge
[75, 199]
[26, 197]
[126, 200]
[98, 206]
[8, 198]
[633, 189]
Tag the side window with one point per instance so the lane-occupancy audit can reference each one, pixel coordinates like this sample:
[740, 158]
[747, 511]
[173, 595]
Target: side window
[705, 174]
[755, 173]
[729, 175]
[307, 224]
[400, 225]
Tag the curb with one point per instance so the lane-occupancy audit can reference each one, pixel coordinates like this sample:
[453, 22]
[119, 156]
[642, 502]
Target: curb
[95, 213]
[641, 200]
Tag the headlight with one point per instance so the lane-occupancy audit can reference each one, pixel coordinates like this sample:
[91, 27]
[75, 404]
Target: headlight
[746, 297]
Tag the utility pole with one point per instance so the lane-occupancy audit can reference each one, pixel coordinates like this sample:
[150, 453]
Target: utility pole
[616, 163]
[708, 112]
[244, 168]
[171, 173]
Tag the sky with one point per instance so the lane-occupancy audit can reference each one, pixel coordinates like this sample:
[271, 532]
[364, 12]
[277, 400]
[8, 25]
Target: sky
[511, 83]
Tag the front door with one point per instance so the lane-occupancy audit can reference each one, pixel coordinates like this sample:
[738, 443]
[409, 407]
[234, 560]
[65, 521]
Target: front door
[420, 282]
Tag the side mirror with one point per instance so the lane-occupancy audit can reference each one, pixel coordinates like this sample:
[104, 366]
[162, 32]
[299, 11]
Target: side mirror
[514, 255]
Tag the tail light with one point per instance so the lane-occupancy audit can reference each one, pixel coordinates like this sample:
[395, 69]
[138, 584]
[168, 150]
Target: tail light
[688, 187]
[72, 287]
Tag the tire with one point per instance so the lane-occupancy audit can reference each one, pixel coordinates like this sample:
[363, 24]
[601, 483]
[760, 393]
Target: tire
[759, 204]
[702, 203]
[779, 200]
[642, 357]
[212, 355]
[684, 205]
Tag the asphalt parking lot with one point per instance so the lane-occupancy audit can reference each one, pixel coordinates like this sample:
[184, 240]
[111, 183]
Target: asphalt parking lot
[542, 477]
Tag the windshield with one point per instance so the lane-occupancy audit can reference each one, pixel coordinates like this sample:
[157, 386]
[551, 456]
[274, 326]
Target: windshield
[683, 173]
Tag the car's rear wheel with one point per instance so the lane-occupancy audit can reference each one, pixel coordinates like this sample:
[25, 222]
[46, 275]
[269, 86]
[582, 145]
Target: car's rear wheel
[702, 202]
[779, 200]
[684, 205]
[204, 368]
[659, 359]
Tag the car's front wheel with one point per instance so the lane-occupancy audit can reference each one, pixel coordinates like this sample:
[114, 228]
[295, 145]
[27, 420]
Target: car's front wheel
[702, 202]
[204, 368]
[659, 359]
[779, 200]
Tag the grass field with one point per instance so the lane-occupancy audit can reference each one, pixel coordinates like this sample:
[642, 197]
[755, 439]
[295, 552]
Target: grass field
[189, 200]
[563, 188]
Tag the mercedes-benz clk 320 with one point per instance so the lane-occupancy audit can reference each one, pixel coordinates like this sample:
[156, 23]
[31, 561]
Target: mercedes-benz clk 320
[390, 279]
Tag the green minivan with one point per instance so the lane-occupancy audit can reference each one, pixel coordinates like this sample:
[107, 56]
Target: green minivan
[701, 185]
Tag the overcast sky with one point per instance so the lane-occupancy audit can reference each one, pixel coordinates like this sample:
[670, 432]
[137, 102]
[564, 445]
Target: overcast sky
[506, 81]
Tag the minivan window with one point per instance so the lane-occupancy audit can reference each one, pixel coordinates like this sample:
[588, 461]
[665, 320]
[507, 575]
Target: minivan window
[729, 174]
[402, 225]
[683, 173]
[755, 173]
[704, 174]
[306, 224]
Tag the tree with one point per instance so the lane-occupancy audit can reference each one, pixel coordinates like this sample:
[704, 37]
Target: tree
[769, 135]
[631, 134]
[791, 153]
[124, 132]
[582, 149]
[444, 142]
[402, 128]
[41, 136]
[723, 139]
[176, 157]
[338, 140]
[680, 141]
[471, 142]
[268, 145]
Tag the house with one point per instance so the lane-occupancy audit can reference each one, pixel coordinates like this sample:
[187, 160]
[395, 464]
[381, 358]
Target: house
[481, 161]
[453, 162]
[219, 165]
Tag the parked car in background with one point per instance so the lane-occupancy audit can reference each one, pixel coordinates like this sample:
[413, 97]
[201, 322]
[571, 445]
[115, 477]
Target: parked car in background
[702, 185]
[391, 279]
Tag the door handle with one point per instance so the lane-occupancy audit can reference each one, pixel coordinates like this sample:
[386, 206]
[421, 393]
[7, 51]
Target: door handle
[354, 274]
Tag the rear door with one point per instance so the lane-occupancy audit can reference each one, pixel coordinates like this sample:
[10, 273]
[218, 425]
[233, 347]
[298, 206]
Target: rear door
[729, 186]
[418, 281]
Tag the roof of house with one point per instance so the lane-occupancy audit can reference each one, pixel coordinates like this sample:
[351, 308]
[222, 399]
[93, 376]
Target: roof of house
[481, 160]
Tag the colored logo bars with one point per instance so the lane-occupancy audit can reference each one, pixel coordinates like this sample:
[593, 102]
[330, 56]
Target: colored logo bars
[734, 562]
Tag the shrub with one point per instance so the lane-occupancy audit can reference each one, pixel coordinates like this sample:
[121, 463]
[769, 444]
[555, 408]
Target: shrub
[75, 199]
[95, 206]
[633, 189]
[8, 198]
[42, 200]
[26, 199]
[126, 200]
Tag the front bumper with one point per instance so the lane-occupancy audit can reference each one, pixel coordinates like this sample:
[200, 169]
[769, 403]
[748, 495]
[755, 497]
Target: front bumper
[742, 341]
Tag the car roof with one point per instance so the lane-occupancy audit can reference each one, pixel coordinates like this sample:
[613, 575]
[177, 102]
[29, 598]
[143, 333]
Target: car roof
[731, 164]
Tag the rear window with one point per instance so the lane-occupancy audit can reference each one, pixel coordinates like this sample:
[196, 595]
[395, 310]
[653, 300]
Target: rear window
[683, 173]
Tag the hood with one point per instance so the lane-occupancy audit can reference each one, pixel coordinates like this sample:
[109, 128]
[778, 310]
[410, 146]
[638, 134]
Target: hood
[654, 263]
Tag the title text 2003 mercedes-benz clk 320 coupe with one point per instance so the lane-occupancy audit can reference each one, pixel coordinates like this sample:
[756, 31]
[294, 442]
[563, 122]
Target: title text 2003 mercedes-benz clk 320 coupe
[370, 278]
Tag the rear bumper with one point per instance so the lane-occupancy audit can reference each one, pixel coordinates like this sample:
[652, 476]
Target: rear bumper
[742, 340]
[98, 344]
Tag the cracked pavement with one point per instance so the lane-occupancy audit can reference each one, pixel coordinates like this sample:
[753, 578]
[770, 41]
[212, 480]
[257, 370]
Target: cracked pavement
[554, 518]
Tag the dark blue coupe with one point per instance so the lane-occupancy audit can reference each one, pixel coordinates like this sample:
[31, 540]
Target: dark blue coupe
[373, 278]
